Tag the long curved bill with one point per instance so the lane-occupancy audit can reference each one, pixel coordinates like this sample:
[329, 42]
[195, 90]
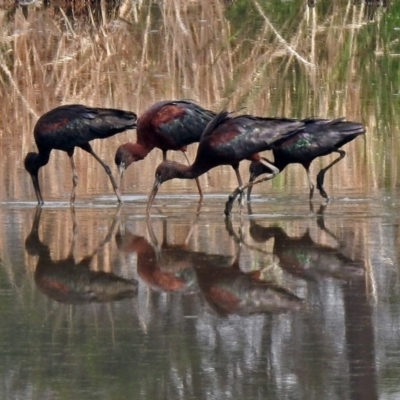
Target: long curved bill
[152, 195]
[35, 181]
[121, 170]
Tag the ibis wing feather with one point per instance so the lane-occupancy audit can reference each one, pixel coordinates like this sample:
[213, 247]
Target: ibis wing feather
[234, 139]
[189, 124]
[319, 138]
[73, 125]
[172, 125]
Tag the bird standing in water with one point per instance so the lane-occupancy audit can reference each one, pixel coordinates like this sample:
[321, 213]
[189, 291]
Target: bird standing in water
[70, 126]
[167, 125]
[320, 137]
[227, 141]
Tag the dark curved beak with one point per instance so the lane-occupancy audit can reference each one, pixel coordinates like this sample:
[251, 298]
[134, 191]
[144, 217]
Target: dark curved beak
[156, 185]
[121, 170]
[35, 181]
[250, 188]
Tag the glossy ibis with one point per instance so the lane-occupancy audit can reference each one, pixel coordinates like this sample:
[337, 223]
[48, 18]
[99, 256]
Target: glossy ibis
[320, 137]
[167, 125]
[66, 127]
[227, 141]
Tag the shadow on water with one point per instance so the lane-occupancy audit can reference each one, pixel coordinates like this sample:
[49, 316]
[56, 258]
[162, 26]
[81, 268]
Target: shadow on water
[69, 281]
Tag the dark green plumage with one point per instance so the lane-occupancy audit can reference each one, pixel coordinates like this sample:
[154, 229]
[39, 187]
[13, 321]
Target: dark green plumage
[75, 125]
[320, 137]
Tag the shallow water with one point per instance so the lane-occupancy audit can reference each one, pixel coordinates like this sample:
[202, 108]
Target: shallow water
[175, 307]
[284, 300]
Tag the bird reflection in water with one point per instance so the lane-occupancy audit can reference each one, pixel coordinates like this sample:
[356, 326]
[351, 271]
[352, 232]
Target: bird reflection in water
[306, 259]
[229, 290]
[166, 268]
[68, 281]
[221, 282]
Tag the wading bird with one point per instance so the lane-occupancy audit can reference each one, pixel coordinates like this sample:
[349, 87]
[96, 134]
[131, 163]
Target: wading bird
[167, 125]
[320, 137]
[227, 141]
[70, 126]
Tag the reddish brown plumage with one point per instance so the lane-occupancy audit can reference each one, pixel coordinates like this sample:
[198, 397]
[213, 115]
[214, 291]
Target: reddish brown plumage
[166, 125]
[227, 141]
[169, 271]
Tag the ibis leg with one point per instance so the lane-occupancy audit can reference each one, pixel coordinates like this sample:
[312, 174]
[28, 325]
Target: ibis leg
[108, 171]
[250, 188]
[240, 182]
[240, 189]
[197, 179]
[74, 179]
[310, 184]
[321, 174]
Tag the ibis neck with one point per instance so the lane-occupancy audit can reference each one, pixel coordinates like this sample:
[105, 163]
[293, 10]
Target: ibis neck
[190, 171]
[43, 158]
[138, 150]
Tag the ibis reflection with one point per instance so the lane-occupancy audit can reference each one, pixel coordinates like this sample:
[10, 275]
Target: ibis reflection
[304, 258]
[225, 287]
[69, 281]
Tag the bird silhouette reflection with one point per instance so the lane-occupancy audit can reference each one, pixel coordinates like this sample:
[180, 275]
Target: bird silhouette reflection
[72, 282]
[166, 267]
[229, 290]
[218, 278]
[306, 259]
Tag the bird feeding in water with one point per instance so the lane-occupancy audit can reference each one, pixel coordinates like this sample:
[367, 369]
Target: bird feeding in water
[227, 141]
[167, 125]
[66, 127]
[320, 137]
